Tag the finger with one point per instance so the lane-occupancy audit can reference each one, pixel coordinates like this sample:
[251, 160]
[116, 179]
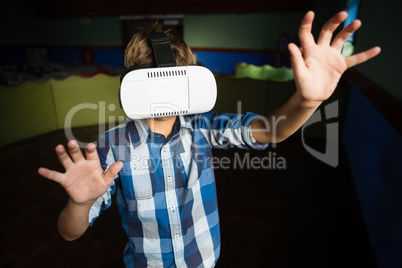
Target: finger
[74, 151]
[330, 26]
[112, 171]
[343, 35]
[305, 36]
[91, 153]
[64, 158]
[296, 58]
[362, 56]
[50, 174]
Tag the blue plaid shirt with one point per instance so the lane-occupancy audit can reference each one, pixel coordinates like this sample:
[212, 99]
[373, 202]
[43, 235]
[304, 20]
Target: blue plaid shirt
[166, 192]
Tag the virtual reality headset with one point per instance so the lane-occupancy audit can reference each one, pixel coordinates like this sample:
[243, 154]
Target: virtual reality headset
[167, 89]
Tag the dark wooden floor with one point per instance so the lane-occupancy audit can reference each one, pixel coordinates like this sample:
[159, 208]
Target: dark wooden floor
[304, 216]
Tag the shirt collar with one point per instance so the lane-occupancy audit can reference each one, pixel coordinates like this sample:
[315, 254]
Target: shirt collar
[185, 122]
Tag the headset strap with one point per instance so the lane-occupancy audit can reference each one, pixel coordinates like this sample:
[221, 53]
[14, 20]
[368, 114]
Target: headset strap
[163, 52]
[163, 55]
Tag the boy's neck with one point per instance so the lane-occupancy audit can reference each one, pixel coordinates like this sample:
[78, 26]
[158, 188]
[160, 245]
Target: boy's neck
[161, 125]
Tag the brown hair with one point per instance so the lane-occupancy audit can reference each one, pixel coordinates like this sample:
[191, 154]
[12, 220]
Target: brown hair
[139, 51]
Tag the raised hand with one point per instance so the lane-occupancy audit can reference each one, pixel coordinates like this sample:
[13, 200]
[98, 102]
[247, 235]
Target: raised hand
[318, 66]
[84, 179]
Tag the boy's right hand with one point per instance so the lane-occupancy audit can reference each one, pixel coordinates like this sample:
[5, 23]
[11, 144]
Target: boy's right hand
[84, 179]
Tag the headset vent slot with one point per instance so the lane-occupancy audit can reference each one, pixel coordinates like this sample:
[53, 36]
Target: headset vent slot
[162, 74]
[169, 113]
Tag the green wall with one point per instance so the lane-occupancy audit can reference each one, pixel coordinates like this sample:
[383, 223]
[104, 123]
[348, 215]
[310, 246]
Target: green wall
[240, 31]
[381, 24]
[20, 26]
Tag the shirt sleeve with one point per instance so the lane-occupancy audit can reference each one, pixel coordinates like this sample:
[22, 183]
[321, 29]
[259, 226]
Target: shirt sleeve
[106, 158]
[224, 130]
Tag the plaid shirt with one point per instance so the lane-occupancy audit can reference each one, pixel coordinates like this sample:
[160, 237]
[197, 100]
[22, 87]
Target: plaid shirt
[166, 192]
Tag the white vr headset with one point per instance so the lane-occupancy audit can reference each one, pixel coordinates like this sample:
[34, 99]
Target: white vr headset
[166, 90]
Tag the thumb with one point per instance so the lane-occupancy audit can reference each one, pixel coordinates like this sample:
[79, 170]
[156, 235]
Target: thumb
[112, 171]
[296, 58]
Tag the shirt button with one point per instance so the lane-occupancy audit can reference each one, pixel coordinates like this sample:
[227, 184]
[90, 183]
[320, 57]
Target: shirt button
[172, 208]
[179, 260]
[176, 236]
[170, 179]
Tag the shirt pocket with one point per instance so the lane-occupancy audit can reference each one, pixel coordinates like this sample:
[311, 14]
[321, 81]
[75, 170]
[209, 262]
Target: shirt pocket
[136, 180]
[193, 167]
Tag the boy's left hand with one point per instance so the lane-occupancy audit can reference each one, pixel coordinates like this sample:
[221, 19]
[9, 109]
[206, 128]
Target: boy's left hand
[318, 66]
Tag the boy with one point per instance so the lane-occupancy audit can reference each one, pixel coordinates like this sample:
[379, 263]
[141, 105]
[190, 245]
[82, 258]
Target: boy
[166, 195]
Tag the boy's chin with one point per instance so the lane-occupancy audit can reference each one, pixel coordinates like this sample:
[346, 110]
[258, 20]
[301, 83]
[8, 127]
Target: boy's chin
[165, 118]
